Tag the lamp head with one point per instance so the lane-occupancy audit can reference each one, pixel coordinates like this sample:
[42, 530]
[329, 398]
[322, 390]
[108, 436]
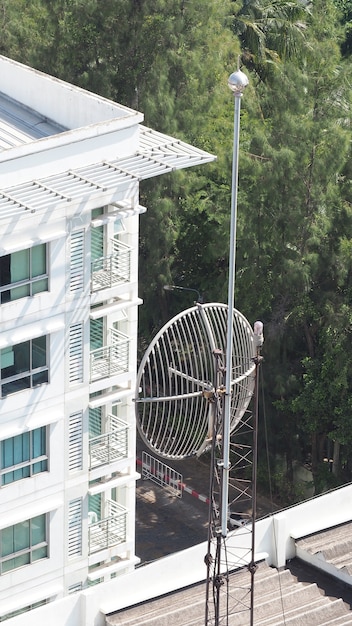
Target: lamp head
[237, 82]
[258, 334]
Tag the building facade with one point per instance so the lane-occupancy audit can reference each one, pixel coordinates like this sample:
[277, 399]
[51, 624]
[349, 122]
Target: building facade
[70, 167]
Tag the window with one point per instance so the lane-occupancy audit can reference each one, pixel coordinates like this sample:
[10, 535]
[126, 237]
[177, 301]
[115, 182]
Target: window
[97, 238]
[23, 273]
[23, 456]
[75, 588]
[94, 508]
[23, 366]
[23, 543]
[119, 227]
[24, 609]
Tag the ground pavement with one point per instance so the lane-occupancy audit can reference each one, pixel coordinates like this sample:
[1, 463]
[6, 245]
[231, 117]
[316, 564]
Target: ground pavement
[166, 523]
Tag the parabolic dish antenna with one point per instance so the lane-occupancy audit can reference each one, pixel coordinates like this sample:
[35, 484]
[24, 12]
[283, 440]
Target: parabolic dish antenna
[177, 376]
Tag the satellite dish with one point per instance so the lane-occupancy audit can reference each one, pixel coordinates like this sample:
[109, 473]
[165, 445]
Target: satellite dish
[177, 375]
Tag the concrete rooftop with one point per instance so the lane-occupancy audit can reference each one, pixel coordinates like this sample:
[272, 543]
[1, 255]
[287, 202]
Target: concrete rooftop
[20, 125]
[279, 598]
[71, 107]
[330, 550]
[314, 588]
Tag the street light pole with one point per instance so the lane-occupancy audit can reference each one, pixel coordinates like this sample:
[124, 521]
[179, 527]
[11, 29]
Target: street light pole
[178, 288]
[237, 82]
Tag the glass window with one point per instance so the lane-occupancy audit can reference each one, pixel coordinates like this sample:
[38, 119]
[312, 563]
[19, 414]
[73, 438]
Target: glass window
[24, 609]
[119, 227]
[23, 456]
[23, 366]
[23, 543]
[38, 260]
[23, 273]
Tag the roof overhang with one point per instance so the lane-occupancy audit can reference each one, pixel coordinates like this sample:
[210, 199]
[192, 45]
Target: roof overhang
[157, 154]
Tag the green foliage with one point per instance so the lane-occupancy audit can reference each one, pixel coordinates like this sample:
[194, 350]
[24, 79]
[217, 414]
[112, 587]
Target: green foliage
[20, 31]
[270, 31]
[277, 486]
[285, 491]
[344, 8]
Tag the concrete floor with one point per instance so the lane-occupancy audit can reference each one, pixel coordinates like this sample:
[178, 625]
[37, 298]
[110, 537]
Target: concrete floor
[167, 524]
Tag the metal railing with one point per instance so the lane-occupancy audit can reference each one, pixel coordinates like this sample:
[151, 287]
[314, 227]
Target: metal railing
[113, 269]
[110, 531]
[110, 446]
[111, 359]
[163, 475]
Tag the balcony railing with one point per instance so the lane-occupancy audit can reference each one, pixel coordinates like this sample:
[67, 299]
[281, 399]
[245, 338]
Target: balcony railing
[110, 531]
[111, 359]
[111, 446]
[112, 270]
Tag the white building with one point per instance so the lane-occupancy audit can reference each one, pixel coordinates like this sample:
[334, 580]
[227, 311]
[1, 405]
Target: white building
[70, 166]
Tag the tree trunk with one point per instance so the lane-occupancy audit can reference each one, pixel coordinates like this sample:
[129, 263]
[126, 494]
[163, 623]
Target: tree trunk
[315, 461]
[336, 458]
[318, 440]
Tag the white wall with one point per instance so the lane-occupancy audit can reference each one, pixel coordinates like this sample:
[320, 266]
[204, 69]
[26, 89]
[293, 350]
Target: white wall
[66, 104]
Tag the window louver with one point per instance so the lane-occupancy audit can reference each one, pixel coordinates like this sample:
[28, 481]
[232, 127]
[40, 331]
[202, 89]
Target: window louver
[75, 454]
[75, 528]
[77, 261]
[76, 353]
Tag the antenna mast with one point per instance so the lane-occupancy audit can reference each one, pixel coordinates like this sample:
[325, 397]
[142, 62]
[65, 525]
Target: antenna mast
[224, 596]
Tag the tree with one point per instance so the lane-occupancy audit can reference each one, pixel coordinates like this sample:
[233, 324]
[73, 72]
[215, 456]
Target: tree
[345, 13]
[270, 31]
[21, 35]
[325, 402]
[295, 215]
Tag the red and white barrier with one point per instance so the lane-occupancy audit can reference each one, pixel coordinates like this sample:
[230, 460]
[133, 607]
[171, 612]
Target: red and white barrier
[183, 486]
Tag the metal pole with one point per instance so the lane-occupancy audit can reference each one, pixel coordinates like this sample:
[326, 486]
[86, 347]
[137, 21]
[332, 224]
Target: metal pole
[237, 82]
[258, 342]
[213, 561]
[209, 557]
[253, 565]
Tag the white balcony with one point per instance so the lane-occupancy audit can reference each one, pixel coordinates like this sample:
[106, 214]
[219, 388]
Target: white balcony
[111, 359]
[112, 270]
[110, 446]
[110, 531]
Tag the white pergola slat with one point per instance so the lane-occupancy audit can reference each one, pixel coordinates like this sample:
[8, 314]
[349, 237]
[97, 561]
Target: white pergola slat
[157, 154]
